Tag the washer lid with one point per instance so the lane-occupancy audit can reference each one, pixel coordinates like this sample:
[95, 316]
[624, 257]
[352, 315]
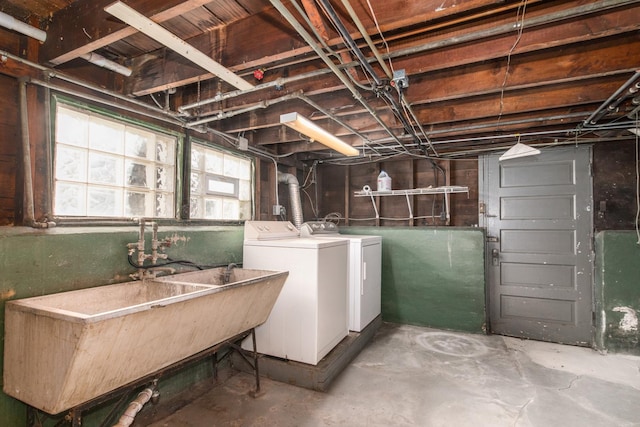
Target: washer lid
[299, 243]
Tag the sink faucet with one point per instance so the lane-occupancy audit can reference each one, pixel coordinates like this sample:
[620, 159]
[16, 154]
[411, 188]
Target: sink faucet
[157, 248]
[227, 272]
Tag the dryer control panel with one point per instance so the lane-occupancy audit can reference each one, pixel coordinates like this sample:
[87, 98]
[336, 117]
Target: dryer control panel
[270, 230]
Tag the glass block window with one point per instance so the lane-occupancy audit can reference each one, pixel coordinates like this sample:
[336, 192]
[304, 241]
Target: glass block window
[221, 185]
[107, 168]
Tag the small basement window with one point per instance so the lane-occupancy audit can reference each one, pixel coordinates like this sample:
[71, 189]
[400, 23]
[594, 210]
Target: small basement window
[106, 167]
[221, 184]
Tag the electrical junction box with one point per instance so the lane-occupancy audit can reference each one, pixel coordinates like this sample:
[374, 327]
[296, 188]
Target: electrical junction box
[243, 143]
[400, 79]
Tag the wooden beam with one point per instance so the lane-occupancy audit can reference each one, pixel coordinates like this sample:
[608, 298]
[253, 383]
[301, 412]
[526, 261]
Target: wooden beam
[535, 100]
[442, 52]
[280, 41]
[83, 27]
[437, 65]
[11, 67]
[543, 68]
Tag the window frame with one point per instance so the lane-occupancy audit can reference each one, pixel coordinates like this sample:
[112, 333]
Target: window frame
[182, 190]
[187, 187]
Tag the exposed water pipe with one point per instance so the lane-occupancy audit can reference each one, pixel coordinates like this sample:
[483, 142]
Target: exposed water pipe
[614, 100]
[11, 23]
[134, 407]
[156, 113]
[101, 61]
[264, 104]
[28, 209]
[235, 93]
[431, 45]
[259, 105]
[294, 196]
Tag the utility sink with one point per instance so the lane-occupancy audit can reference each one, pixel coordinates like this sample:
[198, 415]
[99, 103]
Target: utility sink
[65, 349]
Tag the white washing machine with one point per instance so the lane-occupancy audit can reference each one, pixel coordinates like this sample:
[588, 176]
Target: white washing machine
[365, 271]
[310, 316]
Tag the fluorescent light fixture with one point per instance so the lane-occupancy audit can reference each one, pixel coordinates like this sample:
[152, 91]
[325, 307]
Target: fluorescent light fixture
[103, 62]
[175, 43]
[519, 150]
[316, 133]
[12, 23]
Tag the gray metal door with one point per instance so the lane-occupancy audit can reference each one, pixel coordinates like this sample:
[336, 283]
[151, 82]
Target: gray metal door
[538, 216]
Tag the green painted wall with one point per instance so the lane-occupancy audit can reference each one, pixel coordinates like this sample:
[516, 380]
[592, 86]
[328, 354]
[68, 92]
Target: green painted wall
[432, 276]
[37, 262]
[617, 291]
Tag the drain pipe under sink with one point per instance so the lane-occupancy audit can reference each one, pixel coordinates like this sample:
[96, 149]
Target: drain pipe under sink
[294, 196]
[134, 407]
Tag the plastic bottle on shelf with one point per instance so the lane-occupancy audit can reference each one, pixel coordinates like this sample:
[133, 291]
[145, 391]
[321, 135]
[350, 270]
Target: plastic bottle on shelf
[384, 182]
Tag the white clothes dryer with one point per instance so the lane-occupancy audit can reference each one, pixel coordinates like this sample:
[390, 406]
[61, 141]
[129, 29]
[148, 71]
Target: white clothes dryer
[365, 271]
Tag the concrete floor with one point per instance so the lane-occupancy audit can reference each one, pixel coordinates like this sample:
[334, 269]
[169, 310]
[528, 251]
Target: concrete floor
[413, 376]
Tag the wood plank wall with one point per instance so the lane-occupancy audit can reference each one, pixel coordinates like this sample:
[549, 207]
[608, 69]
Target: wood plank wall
[332, 189]
[9, 150]
[338, 184]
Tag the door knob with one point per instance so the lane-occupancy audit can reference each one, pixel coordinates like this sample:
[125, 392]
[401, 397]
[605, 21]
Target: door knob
[495, 254]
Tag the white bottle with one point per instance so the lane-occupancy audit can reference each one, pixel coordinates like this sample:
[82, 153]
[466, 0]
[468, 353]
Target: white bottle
[384, 182]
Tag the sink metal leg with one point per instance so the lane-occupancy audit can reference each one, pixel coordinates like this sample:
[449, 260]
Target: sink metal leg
[255, 360]
[244, 355]
[31, 417]
[215, 367]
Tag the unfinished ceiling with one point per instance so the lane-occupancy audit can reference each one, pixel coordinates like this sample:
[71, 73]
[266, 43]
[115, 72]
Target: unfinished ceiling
[438, 78]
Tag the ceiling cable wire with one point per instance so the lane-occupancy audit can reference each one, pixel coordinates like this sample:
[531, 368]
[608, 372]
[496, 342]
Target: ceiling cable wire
[380, 86]
[365, 36]
[409, 113]
[520, 25]
[279, 6]
[384, 41]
